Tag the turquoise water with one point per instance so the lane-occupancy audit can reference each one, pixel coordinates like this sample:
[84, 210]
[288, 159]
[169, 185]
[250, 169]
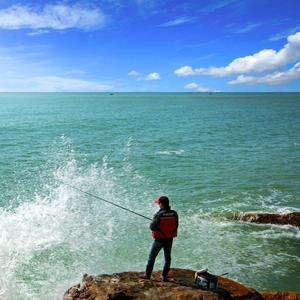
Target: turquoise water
[213, 155]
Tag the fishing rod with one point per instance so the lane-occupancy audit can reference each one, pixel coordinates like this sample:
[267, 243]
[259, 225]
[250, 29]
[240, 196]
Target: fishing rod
[104, 200]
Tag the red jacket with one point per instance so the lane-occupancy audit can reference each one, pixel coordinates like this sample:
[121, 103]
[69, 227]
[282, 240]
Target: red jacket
[164, 224]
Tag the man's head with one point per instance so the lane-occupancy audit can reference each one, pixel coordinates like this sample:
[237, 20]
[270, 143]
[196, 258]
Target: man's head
[163, 202]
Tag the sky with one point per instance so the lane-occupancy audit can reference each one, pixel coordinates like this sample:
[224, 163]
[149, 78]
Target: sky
[150, 46]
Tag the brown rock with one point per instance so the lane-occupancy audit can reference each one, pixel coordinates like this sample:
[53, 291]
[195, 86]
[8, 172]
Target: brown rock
[267, 218]
[181, 286]
[281, 295]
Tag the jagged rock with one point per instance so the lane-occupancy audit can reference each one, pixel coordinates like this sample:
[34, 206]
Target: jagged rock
[268, 218]
[129, 285]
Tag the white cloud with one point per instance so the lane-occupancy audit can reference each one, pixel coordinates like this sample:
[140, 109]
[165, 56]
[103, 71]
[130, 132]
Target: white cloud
[262, 61]
[185, 71]
[153, 76]
[199, 88]
[273, 78]
[176, 22]
[192, 86]
[134, 73]
[58, 17]
[139, 76]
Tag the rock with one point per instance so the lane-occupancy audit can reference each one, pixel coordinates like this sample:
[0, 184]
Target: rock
[129, 285]
[268, 218]
[281, 295]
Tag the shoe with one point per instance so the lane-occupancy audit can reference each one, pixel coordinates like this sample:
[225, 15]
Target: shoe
[165, 279]
[145, 277]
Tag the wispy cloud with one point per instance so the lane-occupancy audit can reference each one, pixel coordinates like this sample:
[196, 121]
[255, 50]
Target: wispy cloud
[56, 17]
[215, 5]
[246, 28]
[38, 32]
[199, 88]
[262, 61]
[273, 78]
[24, 60]
[177, 21]
[52, 84]
[284, 34]
[25, 69]
[65, 84]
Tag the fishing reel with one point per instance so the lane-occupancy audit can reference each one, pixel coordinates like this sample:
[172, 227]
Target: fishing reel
[205, 280]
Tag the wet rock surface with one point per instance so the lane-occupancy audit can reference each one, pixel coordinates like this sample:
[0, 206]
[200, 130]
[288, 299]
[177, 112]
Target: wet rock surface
[129, 285]
[268, 218]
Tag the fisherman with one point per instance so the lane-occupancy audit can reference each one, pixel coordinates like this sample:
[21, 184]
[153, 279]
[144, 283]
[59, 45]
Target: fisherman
[164, 228]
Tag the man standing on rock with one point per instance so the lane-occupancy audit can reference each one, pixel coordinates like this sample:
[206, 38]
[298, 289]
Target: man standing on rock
[164, 228]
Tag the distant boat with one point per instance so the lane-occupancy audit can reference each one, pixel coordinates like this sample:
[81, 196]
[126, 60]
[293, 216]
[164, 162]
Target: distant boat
[111, 94]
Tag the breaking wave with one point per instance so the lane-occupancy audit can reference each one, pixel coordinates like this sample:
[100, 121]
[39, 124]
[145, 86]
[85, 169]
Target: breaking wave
[51, 239]
[171, 152]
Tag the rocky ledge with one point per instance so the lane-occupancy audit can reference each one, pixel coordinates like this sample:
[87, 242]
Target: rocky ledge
[268, 218]
[181, 286]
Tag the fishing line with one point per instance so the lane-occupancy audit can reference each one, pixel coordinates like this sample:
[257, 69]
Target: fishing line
[104, 200]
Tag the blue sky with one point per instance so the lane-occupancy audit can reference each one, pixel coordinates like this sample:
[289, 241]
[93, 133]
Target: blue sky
[150, 45]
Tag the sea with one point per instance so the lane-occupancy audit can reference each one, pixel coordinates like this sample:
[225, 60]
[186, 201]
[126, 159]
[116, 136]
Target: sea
[215, 155]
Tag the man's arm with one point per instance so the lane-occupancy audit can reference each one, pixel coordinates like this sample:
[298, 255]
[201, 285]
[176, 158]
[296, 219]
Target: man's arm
[155, 222]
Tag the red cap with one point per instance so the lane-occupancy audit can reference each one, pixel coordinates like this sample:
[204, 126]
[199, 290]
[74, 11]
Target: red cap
[157, 201]
[162, 199]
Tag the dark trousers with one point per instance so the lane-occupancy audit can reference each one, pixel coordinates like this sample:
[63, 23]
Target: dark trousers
[156, 247]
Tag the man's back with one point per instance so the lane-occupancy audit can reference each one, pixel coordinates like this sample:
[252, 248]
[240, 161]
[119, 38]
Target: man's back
[164, 224]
